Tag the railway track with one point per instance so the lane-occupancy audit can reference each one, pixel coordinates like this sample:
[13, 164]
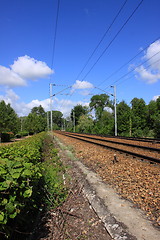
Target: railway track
[143, 152]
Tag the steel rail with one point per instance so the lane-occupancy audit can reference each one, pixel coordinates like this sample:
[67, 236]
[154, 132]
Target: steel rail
[140, 139]
[141, 156]
[150, 140]
[120, 143]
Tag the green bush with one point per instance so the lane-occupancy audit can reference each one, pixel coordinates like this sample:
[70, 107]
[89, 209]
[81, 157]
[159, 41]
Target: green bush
[20, 173]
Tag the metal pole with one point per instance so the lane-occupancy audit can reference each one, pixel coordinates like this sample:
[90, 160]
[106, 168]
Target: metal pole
[64, 124]
[48, 121]
[74, 122]
[115, 110]
[51, 107]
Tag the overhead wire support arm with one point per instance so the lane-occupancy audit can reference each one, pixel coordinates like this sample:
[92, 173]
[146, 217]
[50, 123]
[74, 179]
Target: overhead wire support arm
[60, 91]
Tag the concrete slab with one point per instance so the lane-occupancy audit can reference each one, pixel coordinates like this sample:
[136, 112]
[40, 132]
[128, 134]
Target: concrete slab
[120, 218]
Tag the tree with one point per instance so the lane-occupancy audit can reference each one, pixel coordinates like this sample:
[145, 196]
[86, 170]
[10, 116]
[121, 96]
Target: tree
[139, 117]
[57, 117]
[39, 111]
[154, 117]
[85, 124]
[8, 118]
[123, 119]
[105, 125]
[78, 111]
[36, 120]
[98, 103]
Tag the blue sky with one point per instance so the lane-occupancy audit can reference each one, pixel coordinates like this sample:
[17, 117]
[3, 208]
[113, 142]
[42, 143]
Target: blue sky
[26, 48]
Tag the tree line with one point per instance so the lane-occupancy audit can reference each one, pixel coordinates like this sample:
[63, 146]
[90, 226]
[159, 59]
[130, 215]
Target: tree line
[135, 120]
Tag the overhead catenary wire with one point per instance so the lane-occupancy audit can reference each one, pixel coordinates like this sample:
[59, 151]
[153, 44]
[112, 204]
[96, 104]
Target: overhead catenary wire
[125, 64]
[110, 43]
[140, 70]
[55, 35]
[123, 76]
[102, 38]
[52, 62]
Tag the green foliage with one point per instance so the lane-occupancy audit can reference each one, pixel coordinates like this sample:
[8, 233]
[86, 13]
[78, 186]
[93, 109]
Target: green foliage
[35, 123]
[20, 173]
[123, 119]
[53, 170]
[8, 118]
[138, 117]
[85, 124]
[27, 184]
[154, 117]
[39, 111]
[98, 103]
[78, 111]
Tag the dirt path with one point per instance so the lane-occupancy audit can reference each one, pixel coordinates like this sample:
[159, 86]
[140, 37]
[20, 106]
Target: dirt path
[75, 219]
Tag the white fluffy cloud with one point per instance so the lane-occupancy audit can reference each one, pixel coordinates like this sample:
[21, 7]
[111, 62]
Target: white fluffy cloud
[156, 97]
[23, 109]
[10, 78]
[30, 68]
[147, 75]
[82, 85]
[152, 74]
[23, 68]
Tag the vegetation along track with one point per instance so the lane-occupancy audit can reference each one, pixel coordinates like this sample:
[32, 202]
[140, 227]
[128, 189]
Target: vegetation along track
[143, 150]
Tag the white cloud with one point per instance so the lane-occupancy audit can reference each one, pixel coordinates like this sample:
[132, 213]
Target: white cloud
[147, 75]
[9, 97]
[23, 109]
[10, 78]
[23, 69]
[156, 97]
[35, 103]
[82, 85]
[151, 74]
[30, 68]
[154, 50]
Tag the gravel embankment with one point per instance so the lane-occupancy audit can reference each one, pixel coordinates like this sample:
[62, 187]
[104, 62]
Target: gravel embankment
[133, 179]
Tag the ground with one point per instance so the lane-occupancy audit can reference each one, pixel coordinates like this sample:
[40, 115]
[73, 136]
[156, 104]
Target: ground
[74, 219]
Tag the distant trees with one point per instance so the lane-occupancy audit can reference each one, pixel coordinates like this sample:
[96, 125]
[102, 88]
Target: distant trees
[136, 119]
[85, 124]
[78, 111]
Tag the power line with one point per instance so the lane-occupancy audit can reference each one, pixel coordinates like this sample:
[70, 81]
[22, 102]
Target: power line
[102, 38]
[135, 68]
[55, 35]
[113, 39]
[140, 70]
[52, 61]
[125, 64]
